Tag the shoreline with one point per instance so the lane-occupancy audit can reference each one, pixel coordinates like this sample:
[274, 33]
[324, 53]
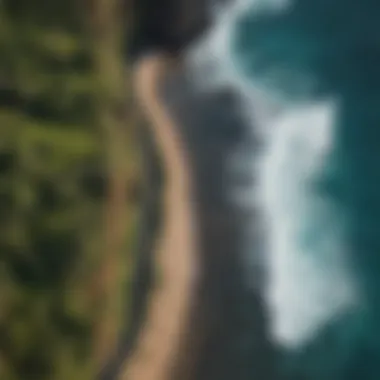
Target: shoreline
[160, 340]
[223, 334]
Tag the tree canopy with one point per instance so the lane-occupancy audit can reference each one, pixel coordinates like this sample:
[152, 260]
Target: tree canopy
[55, 176]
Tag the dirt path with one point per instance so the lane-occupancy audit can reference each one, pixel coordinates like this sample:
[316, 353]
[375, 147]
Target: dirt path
[175, 255]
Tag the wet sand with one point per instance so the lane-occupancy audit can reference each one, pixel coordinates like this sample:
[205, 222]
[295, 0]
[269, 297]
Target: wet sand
[228, 331]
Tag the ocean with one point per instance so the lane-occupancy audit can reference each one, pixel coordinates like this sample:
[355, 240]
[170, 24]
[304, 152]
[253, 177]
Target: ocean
[307, 73]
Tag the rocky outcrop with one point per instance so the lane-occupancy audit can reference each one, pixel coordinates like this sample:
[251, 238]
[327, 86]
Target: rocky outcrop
[168, 25]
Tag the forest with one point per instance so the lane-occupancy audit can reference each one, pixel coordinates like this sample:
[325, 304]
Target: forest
[70, 185]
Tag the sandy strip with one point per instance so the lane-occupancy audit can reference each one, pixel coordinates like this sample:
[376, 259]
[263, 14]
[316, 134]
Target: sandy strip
[170, 302]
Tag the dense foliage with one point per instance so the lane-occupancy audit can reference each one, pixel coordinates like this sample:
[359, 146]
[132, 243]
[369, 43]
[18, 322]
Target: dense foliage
[53, 182]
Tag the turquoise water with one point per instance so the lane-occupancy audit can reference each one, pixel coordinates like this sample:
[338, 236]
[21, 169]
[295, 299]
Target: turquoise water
[320, 180]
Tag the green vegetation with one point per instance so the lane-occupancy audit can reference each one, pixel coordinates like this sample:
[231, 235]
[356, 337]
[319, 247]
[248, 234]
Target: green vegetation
[69, 168]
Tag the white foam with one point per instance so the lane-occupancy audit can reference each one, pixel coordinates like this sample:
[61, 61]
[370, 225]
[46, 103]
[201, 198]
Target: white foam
[308, 282]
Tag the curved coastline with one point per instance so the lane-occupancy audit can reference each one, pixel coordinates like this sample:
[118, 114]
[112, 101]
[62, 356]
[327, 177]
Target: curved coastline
[169, 304]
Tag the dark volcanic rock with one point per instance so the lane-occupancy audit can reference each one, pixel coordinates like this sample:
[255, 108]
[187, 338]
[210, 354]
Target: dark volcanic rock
[168, 25]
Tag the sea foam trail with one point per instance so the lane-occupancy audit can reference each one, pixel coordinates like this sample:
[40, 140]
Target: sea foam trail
[308, 280]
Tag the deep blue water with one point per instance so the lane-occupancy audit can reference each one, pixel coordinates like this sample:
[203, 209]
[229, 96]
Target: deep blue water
[308, 53]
